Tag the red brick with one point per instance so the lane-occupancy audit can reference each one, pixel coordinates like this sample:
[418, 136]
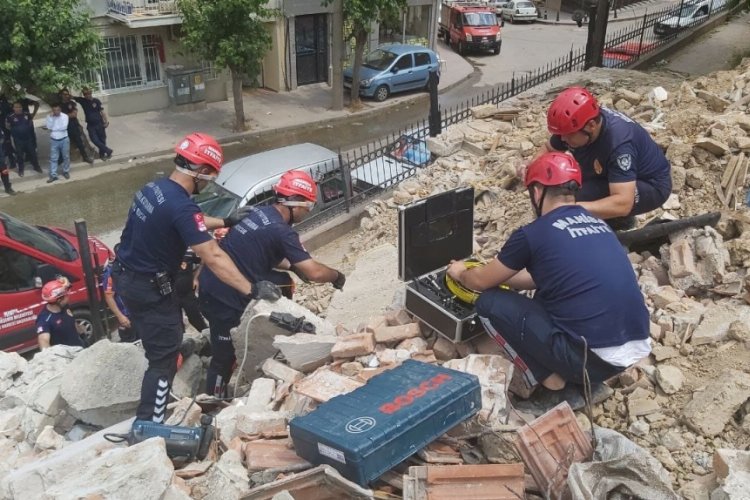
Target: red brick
[397, 318]
[450, 482]
[392, 334]
[351, 346]
[444, 349]
[272, 454]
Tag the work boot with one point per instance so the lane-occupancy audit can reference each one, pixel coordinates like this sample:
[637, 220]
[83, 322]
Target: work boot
[10, 191]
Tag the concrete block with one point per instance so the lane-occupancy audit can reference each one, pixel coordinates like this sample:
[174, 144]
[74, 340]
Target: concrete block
[324, 384]
[11, 366]
[663, 296]
[713, 146]
[266, 423]
[669, 378]
[399, 317]
[638, 407]
[261, 395]
[190, 378]
[494, 373]
[710, 409]
[279, 371]
[714, 327]
[682, 260]
[228, 478]
[392, 334]
[305, 351]
[356, 344]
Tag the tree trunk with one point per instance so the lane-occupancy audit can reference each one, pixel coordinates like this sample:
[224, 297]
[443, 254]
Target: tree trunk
[239, 104]
[360, 40]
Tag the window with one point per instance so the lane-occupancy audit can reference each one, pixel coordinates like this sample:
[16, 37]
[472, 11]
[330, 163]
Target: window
[264, 198]
[129, 61]
[17, 271]
[421, 59]
[404, 62]
[39, 238]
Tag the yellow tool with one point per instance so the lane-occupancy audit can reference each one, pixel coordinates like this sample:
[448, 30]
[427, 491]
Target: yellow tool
[461, 292]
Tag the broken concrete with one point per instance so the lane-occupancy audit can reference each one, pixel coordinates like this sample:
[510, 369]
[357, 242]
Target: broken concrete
[494, 373]
[716, 320]
[228, 478]
[710, 409]
[305, 351]
[669, 378]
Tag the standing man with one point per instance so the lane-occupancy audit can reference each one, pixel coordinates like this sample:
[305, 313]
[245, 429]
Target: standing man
[4, 175]
[162, 222]
[57, 124]
[625, 173]
[75, 132]
[262, 241]
[26, 105]
[21, 125]
[96, 122]
[6, 108]
[587, 314]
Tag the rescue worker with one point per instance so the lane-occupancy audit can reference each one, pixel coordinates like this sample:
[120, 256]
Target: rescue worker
[75, 132]
[162, 222]
[587, 312]
[4, 173]
[21, 125]
[185, 282]
[263, 241]
[125, 329]
[55, 324]
[57, 125]
[625, 173]
[96, 122]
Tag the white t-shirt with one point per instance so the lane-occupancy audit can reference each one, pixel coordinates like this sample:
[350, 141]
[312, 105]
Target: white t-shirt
[626, 354]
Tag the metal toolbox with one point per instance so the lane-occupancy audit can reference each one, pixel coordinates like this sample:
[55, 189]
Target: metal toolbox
[432, 232]
[370, 430]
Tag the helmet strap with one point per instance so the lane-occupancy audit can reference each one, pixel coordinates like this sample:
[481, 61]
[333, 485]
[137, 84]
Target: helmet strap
[537, 206]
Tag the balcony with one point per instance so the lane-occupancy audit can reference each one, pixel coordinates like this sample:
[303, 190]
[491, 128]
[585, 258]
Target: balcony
[144, 13]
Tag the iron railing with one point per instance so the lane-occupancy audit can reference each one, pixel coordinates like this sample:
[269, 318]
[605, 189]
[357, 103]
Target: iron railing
[369, 170]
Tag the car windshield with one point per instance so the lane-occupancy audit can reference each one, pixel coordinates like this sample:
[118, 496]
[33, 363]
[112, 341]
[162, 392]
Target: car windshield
[40, 238]
[480, 19]
[524, 5]
[379, 59]
[216, 201]
[687, 10]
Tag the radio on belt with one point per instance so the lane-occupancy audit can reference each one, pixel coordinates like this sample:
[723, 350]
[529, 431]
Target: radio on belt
[370, 430]
[432, 232]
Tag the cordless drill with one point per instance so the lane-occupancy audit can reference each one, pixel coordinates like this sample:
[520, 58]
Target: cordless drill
[291, 323]
[184, 444]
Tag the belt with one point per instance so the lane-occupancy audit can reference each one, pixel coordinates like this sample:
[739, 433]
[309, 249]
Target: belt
[60, 139]
[118, 267]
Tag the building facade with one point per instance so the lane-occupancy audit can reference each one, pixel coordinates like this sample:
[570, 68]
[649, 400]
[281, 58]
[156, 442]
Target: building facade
[141, 48]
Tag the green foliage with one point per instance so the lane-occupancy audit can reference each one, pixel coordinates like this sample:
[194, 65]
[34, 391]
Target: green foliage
[230, 33]
[45, 45]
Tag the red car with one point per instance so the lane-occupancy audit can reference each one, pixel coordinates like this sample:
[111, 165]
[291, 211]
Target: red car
[623, 54]
[29, 257]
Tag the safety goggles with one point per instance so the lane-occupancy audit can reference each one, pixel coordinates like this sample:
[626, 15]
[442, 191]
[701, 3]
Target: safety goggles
[307, 204]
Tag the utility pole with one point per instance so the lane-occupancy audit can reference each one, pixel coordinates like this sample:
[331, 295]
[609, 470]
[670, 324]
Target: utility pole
[598, 18]
[337, 56]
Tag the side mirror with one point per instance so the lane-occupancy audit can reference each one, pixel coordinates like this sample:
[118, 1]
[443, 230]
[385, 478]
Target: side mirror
[37, 282]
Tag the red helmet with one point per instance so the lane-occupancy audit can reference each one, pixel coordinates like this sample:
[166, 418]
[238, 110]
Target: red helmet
[553, 169]
[54, 290]
[297, 183]
[201, 149]
[571, 110]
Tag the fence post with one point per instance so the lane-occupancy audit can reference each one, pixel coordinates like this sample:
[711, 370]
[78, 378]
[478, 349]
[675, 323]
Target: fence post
[643, 31]
[513, 83]
[570, 61]
[348, 188]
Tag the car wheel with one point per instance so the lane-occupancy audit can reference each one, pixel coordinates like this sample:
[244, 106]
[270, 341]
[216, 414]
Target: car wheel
[461, 48]
[496, 50]
[381, 93]
[83, 318]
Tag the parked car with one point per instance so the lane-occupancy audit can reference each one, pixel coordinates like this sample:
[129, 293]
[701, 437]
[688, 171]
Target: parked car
[29, 257]
[394, 68]
[624, 53]
[691, 12]
[402, 157]
[498, 5]
[521, 10]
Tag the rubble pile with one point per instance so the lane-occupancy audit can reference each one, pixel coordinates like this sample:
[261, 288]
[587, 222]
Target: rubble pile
[680, 417]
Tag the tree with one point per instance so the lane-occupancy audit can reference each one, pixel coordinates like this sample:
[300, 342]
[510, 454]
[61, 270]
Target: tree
[361, 14]
[230, 33]
[46, 45]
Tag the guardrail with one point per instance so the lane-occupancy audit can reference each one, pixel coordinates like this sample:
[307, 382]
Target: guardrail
[622, 48]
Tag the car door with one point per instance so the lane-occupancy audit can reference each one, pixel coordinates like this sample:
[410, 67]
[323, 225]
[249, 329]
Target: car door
[422, 67]
[20, 297]
[508, 9]
[403, 73]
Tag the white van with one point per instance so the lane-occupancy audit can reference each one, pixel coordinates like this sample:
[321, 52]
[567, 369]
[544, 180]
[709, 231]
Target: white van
[250, 180]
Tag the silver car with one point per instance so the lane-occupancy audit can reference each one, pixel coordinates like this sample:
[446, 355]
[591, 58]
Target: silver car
[522, 10]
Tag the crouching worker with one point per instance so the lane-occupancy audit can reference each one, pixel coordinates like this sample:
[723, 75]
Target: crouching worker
[262, 242]
[587, 313]
[55, 324]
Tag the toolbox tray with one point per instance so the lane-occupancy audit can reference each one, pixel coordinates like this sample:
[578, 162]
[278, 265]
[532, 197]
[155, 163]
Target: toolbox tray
[370, 430]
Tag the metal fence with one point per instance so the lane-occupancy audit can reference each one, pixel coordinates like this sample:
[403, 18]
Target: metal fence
[373, 169]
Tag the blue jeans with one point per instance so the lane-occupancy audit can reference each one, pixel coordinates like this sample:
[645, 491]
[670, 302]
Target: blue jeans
[59, 148]
[98, 135]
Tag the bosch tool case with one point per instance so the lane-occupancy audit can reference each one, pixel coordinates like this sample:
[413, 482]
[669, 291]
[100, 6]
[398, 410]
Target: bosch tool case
[432, 232]
[368, 431]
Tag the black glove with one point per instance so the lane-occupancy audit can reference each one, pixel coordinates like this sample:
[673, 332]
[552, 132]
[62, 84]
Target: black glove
[264, 290]
[236, 216]
[338, 283]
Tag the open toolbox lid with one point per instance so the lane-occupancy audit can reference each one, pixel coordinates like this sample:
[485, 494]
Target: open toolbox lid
[433, 231]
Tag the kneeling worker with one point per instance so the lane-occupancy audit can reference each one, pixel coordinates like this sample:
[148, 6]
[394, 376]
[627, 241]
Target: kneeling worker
[55, 324]
[587, 312]
[259, 243]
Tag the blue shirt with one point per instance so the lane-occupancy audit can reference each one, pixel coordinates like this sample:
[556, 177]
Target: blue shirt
[583, 276]
[92, 109]
[108, 286]
[623, 152]
[61, 327]
[256, 245]
[163, 221]
[21, 126]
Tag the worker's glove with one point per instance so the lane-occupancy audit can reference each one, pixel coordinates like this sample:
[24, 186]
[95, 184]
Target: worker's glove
[338, 283]
[237, 216]
[264, 290]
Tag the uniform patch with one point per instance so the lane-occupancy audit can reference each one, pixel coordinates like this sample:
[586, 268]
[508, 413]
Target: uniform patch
[598, 167]
[624, 162]
[200, 223]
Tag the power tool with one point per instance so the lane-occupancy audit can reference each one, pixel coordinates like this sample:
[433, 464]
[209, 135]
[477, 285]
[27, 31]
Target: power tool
[292, 323]
[184, 444]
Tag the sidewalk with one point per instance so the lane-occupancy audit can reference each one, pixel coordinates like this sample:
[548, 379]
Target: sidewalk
[629, 13]
[145, 135]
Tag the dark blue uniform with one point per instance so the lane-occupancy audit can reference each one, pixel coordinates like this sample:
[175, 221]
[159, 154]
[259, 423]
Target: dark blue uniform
[61, 327]
[586, 289]
[93, 108]
[256, 245]
[163, 221]
[22, 132]
[108, 287]
[623, 152]
[6, 108]
[4, 175]
[74, 129]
